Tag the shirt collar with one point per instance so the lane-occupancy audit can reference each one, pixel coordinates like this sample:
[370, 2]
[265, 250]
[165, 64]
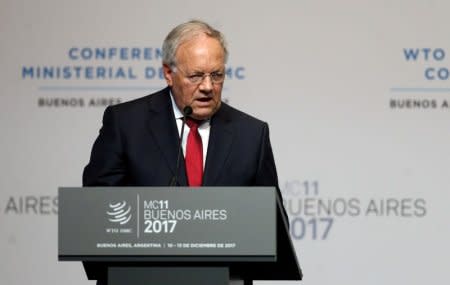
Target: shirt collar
[178, 114]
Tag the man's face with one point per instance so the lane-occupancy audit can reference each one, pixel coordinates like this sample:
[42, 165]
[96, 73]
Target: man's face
[200, 56]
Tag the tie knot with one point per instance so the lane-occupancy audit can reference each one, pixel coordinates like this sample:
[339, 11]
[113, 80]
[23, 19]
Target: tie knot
[193, 123]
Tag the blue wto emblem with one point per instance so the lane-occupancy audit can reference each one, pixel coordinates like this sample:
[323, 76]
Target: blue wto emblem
[120, 213]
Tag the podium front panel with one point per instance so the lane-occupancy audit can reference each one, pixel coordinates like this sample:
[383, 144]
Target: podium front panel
[153, 223]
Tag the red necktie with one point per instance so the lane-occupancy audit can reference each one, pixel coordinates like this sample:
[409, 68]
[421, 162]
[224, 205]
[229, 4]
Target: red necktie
[194, 154]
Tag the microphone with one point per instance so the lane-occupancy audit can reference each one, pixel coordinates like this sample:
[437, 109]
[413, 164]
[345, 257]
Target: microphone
[186, 112]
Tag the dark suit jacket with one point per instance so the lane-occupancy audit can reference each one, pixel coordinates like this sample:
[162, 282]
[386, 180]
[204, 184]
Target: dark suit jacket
[138, 145]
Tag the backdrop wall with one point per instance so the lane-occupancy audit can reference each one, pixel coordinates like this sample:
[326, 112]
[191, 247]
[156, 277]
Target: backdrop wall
[356, 94]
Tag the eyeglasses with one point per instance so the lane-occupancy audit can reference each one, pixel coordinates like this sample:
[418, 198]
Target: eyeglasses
[216, 77]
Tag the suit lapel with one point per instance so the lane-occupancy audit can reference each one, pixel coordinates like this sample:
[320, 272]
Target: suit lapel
[219, 146]
[163, 129]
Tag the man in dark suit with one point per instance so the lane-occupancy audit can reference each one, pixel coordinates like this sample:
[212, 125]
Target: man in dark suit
[139, 141]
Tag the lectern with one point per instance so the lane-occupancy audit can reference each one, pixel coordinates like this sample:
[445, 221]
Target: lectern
[176, 235]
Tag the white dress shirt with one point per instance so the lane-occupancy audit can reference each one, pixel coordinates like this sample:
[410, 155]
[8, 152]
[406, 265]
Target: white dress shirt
[203, 129]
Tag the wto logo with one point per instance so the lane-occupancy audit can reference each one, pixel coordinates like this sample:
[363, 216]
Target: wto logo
[120, 213]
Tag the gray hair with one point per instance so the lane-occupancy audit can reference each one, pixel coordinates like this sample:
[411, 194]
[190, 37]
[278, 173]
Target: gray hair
[185, 32]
